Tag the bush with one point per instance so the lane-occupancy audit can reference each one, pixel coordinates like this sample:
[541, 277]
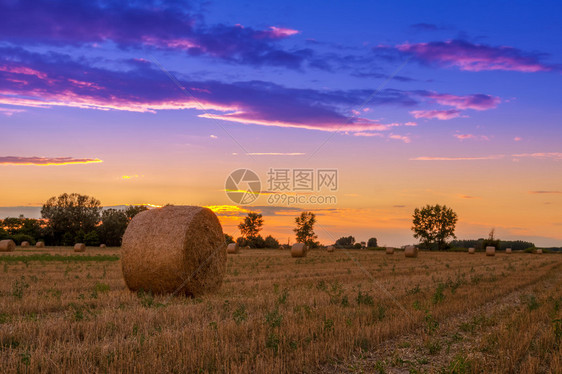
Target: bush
[228, 239]
[357, 246]
[242, 242]
[345, 242]
[253, 242]
[271, 242]
[18, 238]
[92, 239]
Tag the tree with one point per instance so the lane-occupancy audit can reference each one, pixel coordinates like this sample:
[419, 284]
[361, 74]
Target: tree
[305, 229]
[491, 241]
[228, 239]
[433, 225]
[271, 242]
[133, 210]
[71, 213]
[345, 242]
[113, 225]
[372, 243]
[251, 225]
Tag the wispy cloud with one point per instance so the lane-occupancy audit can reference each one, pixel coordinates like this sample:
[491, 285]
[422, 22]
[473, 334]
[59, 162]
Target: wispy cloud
[540, 155]
[545, 192]
[471, 137]
[468, 197]
[8, 112]
[135, 176]
[276, 154]
[46, 161]
[475, 57]
[426, 158]
[438, 114]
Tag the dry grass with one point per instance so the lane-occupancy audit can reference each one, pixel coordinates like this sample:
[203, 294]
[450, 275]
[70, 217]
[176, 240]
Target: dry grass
[278, 314]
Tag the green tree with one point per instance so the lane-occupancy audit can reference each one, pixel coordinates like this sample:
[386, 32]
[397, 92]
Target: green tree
[345, 241]
[251, 225]
[71, 213]
[133, 210]
[372, 243]
[433, 225]
[113, 225]
[305, 229]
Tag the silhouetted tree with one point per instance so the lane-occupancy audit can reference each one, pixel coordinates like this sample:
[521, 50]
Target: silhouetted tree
[113, 225]
[251, 225]
[345, 242]
[305, 229]
[434, 224]
[372, 243]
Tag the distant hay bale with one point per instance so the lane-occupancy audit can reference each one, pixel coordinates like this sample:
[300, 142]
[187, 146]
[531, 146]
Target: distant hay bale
[247, 247]
[411, 251]
[40, 245]
[174, 249]
[299, 250]
[24, 244]
[79, 247]
[471, 251]
[330, 248]
[508, 250]
[7, 245]
[389, 250]
[539, 251]
[232, 248]
[490, 251]
[103, 246]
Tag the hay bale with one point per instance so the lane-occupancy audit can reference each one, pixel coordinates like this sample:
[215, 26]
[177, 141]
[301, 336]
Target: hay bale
[389, 250]
[79, 247]
[103, 246]
[508, 250]
[174, 249]
[7, 245]
[471, 251]
[411, 251]
[40, 245]
[330, 248]
[232, 248]
[299, 250]
[490, 251]
[24, 244]
[539, 251]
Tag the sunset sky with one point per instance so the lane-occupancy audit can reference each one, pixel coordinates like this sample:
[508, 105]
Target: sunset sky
[412, 102]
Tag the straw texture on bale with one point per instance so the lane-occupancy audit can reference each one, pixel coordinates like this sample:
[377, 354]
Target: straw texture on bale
[174, 249]
[330, 248]
[539, 251]
[232, 248]
[24, 244]
[7, 245]
[103, 246]
[389, 250]
[299, 250]
[411, 251]
[508, 250]
[40, 245]
[490, 251]
[79, 247]
[471, 251]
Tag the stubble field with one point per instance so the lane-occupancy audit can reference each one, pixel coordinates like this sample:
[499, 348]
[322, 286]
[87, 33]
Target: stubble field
[348, 311]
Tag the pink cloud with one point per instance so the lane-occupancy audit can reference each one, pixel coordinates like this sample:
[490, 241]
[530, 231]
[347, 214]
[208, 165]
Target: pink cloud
[424, 158]
[438, 114]
[367, 134]
[517, 139]
[405, 139]
[281, 32]
[540, 155]
[471, 136]
[10, 112]
[475, 102]
[46, 161]
[474, 57]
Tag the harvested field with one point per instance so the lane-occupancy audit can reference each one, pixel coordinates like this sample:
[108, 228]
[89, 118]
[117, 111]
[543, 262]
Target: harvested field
[275, 313]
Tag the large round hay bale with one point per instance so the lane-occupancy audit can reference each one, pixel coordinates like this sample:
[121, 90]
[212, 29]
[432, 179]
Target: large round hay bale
[490, 251]
[40, 244]
[232, 248]
[79, 247]
[299, 250]
[539, 251]
[508, 250]
[389, 250]
[24, 244]
[103, 246]
[174, 249]
[471, 251]
[411, 251]
[7, 245]
[330, 248]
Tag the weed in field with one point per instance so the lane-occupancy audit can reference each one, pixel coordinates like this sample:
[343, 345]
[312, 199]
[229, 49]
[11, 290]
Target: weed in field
[282, 299]
[414, 290]
[532, 303]
[433, 347]
[431, 324]
[240, 315]
[439, 296]
[274, 318]
[19, 287]
[459, 365]
[328, 326]
[365, 299]
[557, 328]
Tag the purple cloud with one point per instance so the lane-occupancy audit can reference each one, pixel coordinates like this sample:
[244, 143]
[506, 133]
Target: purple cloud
[155, 25]
[475, 57]
[34, 80]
